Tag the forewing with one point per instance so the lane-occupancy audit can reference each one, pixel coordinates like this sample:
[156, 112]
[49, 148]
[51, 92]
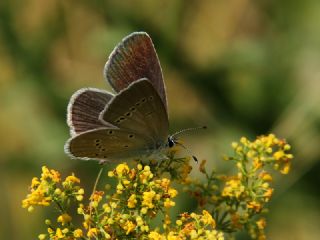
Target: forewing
[135, 58]
[108, 144]
[138, 108]
[84, 108]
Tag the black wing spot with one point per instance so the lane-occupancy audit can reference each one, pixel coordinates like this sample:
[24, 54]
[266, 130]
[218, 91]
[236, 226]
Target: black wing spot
[128, 114]
[151, 98]
[143, 100]
[130, 136]
[104, 156]
[126, 146]
[138, 104]
[97, 140]
[97, 154]
[103, 149]
[118, 121]
[97, 144]
[122, 118]
[132, 109]
[110, 132]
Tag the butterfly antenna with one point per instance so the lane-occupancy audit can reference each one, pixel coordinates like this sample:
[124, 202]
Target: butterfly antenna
[173, 139]
[188, 150]
[187, 130]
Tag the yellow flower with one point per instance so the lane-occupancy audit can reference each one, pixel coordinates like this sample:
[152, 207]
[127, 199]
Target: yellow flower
[265, 176]
[97, 196]
[147, 199]
[172, 192]
[80, 209]
[37, 197]
[167, 221]
[254, 205]
[243, 140]
[126, 182]
[35, 182]
[207, 219]
[64, 218]
[165, 182]
[122, 169]
[73, 179]
[50, 174]
[129, 227]
[234, 145]
[257, 163]
[278, 155]
[261, 223]
[42, 236]
[139, 221]
[59, 233]
[268, 193]
[179, 222]
[145, 175]
[168, 203]
[155, 236]
[144, 210]
[106, 208]
[132, 201]
[77, 233]
[286, 168]
[93, 232]
[233, 188]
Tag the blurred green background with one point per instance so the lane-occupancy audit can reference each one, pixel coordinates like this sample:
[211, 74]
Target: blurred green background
[240, 67]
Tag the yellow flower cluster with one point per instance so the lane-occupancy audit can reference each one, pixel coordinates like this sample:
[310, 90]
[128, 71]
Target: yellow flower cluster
[250, 158]
[45, 190]
[51, 189]
[265, 150]
[226, 203]
[191, 226]
[138, 197]
[40, 189]
[242, 197]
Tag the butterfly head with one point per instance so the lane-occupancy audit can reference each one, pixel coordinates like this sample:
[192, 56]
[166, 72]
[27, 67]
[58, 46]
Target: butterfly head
[171, 141]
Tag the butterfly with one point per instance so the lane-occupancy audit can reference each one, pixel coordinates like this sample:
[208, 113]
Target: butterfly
[133, 122]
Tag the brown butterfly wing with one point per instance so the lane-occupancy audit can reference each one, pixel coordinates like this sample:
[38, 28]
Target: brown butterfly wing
[109, 144]
[139, 108]
[84, 108]
[135, 58]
